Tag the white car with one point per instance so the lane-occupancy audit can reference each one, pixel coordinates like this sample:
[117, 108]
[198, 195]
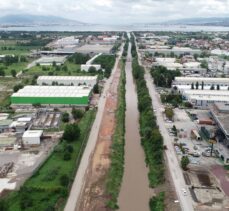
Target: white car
[184, 192]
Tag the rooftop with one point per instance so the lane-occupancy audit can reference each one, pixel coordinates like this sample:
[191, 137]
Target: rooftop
[32, 134]
[77, 78]
[53, 91]
[202, 79]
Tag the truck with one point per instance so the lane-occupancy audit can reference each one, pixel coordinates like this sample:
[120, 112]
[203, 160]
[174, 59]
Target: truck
[206, 122]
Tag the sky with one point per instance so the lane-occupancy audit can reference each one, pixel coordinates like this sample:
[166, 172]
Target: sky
[118, 11]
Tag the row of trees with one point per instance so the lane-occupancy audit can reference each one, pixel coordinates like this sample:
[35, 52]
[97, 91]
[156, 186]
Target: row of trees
[197, 85]
[151, 138]
[164, 77]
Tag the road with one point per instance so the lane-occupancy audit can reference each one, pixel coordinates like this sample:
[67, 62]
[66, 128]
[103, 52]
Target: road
[135, 192]
[173, 163]
[79, 180]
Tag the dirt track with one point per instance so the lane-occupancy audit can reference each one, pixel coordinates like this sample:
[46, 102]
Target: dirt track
[93, 196]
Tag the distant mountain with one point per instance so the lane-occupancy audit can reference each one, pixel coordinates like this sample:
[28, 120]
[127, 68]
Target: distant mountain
[30, 20]
[214, 21]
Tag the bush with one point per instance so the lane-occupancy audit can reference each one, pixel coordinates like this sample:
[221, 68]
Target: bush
[64, 180]
[71, 132]
[77, 114]
[17, 87]
[69, 148]
[67, 156]
[157, 202]
[184, 162]
[65, 117]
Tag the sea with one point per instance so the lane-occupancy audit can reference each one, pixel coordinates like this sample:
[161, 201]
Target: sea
[145, 27]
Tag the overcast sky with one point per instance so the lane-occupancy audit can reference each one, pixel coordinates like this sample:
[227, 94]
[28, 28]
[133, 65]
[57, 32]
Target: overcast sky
[118, 11]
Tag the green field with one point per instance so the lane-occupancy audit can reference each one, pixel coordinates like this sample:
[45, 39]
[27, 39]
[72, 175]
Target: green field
[43, 191]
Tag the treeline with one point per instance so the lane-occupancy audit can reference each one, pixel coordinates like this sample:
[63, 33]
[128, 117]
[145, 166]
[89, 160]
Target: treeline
[151, 138]
[164, 77]
[8, 60]
[107, 63]
[126, 45]
[79, 58]
[115, 174]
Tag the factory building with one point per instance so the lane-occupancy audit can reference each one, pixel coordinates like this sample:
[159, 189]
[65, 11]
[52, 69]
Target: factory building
[67, 80]
[32, 137]
[208, 83]
[52, 95]
[49, 60]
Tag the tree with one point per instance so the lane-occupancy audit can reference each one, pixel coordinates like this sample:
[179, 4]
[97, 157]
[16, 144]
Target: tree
[71, 132]
[96, 89]
[212, 87]
[218, 87]
[65, 117]
[64, 180]
[67, 156]
[2, 72]
[13, 73]
[192, 86]
[54, 64]
[197, 85]
[174, 129]
[17, 87]
[184, 162]
[202, 85]
[169, 113]
[92, 69]
[77, 114]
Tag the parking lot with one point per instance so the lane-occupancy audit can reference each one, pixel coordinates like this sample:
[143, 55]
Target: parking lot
[204, 188]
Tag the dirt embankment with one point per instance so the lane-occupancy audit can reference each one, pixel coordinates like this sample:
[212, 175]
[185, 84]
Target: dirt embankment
[93, 197]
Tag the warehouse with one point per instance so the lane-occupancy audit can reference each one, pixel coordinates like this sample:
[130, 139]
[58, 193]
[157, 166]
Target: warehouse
[50, 60]
[95, 49]
[52, 95]
[68, 80]
[204, 101]
[32, 137]
[207, 81]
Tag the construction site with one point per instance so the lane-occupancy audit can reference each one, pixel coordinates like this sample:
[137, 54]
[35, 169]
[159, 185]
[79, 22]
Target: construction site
[93, 196]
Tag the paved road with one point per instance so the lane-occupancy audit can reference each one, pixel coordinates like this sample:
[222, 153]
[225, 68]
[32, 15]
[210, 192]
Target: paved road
[135, 192]
[82, 170]
[173, 164]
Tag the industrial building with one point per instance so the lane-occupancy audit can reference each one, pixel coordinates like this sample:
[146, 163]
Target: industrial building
[68, 80]
[32, 137]
[186, 82]
[95, 49]
[49, 60]
[220, 114]
[175, 50]
[203, 98]
[52, 95]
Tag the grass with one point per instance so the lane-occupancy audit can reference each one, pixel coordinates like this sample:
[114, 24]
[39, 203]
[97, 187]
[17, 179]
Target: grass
[115, 174]
[157, 202]
[43, 190]
[72, 69]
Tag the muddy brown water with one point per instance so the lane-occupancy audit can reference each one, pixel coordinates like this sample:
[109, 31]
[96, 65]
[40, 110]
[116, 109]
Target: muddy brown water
[135, 192]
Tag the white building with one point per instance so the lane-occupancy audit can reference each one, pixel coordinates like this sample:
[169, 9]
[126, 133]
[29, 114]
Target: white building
[192, 65]
[49, 60]
[208, 82]
[32, 137]
[68, 80]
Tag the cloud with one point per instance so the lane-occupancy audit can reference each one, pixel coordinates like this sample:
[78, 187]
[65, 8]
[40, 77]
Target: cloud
[118, 11]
